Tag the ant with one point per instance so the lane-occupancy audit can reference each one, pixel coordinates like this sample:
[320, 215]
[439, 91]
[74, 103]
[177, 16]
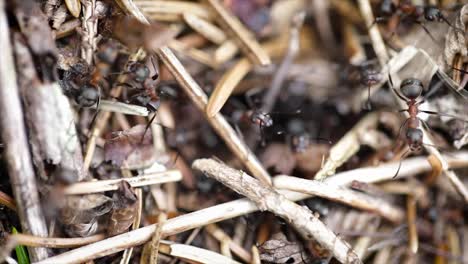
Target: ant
[257, 117]
[149, 91]
[405, 9]
[411, 92]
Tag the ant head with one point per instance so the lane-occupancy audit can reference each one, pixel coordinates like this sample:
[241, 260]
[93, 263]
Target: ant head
[260, 118]
[414, 138]
[411, 88]
[432, 13]
[370, 76]
[87, 96]
[140, 71]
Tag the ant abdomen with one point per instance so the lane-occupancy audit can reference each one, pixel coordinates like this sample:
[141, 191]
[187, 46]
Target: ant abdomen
[411, 88]
[414, 137]
[432, 13]
[87, 96]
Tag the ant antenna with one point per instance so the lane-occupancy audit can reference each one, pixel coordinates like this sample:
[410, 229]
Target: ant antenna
[407, 152]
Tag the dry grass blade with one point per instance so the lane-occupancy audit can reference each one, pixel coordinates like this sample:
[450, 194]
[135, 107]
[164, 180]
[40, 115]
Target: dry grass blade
[240, 34]
[266, 198]
[225, 51]
[130, 7]
[155, 242]
[118, 107]
[220, 125]
[111, 185]
[195, 54]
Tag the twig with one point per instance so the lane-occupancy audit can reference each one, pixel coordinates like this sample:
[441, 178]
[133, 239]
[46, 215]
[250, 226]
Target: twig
[16, 151]
[348, 145]
[220, 125]
[266, 198]
[271, 95]
[220, 212]
[240, 34]
[54, 242]
[112, 185]
[341, 194]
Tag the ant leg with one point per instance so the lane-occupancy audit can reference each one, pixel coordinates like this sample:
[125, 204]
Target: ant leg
[368, 106]
[98, 103]
[427, 31]
[156, 68]
[148, 126]
[443, 114]
[401, 96]
[401, 128]
[443, 18]
[262, 135]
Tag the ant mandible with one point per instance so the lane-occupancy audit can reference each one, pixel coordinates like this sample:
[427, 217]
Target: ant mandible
[411, 92]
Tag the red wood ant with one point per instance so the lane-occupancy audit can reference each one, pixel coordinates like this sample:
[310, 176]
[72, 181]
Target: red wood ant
[365, 74]
[411, 92]
[393, 13]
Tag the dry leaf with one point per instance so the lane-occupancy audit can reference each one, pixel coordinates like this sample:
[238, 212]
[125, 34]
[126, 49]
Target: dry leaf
[127, 149]
[124, 210]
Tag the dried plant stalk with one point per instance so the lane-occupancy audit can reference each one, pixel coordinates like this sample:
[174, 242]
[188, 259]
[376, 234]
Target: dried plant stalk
[343, 195]
[240, 34]
[89, 25]
[123, 108]
[348, 145]
[220, 125]
[266, 198]
[16, 150]
[220, 212]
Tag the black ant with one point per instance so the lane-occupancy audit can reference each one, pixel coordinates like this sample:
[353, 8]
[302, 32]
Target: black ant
[416, 14]
[257, 117]
[411, 92]
[149, 91]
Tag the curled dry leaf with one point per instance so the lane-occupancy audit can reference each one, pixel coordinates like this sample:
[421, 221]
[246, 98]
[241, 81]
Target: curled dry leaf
[128, 150]
[456, 41]
[281, 250]
[124, 210]
[280, 157]
[81, 213]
